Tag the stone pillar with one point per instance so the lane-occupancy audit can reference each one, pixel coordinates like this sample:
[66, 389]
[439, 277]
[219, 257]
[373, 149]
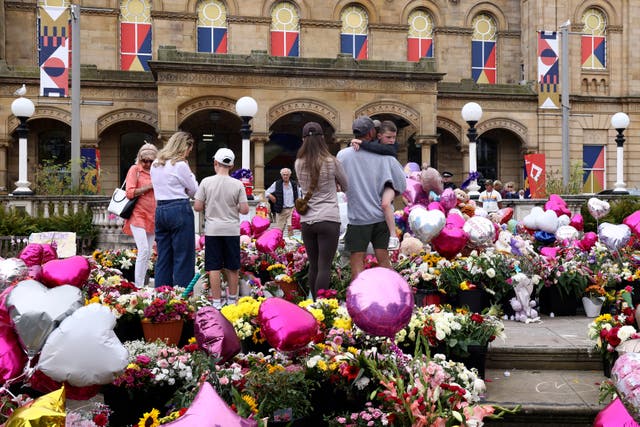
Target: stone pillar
[343, 140]
[258, 140]
[425, 142]
[4, 146]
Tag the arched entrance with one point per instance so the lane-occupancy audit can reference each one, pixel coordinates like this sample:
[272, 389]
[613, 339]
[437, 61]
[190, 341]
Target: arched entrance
[121, 141]
[500, 156]
[446, 155]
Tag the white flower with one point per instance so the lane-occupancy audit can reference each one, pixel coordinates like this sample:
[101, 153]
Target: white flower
[491, 273]
[625, 332]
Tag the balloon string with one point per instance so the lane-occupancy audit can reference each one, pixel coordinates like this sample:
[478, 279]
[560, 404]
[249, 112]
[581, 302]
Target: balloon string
[191, 285]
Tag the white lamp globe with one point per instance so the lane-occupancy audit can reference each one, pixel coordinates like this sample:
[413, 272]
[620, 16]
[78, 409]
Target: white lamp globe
[619, 121]
[246, 107]
[471, 112]
[22, 107]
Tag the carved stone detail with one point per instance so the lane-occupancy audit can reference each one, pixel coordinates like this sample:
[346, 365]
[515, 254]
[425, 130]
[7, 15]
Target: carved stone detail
[42, 113]
[307, 105]
[132, 114]
[174, 16]
[504, 123]
[309, 23]
[206, 103]
[249, 19]
[454, 128]
[393, 107]
[389, 27]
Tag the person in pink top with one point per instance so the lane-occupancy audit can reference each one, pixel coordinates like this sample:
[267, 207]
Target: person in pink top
[141, 224]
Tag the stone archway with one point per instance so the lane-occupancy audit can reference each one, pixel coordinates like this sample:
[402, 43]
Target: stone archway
[391, 107]
[125, 115]
[310, 106]
[203, 104]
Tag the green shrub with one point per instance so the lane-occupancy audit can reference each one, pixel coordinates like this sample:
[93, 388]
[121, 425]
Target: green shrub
[554, 181]
[54, 179]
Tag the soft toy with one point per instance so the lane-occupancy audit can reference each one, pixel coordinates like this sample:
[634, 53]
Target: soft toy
[464, 204]
[410, 245]
[503, 244]
[522, 304]
[431, 181]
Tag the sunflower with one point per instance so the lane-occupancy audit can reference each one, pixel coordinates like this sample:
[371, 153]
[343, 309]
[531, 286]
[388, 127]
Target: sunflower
[150, 419]
[251, 403]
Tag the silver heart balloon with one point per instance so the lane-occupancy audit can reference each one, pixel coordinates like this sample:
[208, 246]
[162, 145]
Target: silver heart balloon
[567, 232]
[425, 224]
[480, 230]
[36, 311]
[12, 270]
[614, 236]
[598, 208]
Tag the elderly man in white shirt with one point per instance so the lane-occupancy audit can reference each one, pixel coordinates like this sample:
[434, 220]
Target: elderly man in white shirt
[283, 194]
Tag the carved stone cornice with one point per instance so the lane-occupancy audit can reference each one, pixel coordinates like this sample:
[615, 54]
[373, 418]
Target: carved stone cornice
[509, 34]
[91, 143]
[504, 123]
[614, 28]
[128, 114]
[249, 19]
[206, 103]
[308, 105]
[393, 107]
[459, 31]
[14, 5]
[174, 16]
[4, 143]
[42, 113]
[100, 11]
[426, 140]
[389, 27]
[447, 124]
[314, 23]
[259, 138]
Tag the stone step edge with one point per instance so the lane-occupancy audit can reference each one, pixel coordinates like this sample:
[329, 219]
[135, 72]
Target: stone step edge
[534, 415]
[543, 358]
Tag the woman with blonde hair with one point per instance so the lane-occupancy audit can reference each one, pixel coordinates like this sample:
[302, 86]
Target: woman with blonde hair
[141, 223]
[173, 185]
[319, 173]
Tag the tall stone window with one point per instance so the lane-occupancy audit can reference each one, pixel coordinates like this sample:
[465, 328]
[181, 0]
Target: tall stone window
[285, 30]
[212, 26]
[420, 37]
[355, 30]
[135, 35]
[594, 40]
[483, 49]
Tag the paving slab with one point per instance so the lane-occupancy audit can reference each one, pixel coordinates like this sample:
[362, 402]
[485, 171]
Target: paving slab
[551, 332]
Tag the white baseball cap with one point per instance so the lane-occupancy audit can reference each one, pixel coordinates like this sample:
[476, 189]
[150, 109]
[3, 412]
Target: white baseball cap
[224, 156]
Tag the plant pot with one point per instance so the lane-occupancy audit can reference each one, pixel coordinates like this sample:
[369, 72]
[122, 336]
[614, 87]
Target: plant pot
[608, 362]
[291, 290]
[128, 406]
[475, 299]
[553, 301]
[128, 328]
[424, 297]
[476, 359]
[129, 274]
[592, 306]
[168, 332]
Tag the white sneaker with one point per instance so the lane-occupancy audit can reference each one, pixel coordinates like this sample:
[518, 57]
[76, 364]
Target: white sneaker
[394, 243]
[217, 303]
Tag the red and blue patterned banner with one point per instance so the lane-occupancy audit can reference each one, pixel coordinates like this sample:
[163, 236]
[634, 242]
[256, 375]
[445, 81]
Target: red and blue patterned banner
[594, 53]
[483, 61]
[593, 166]
[418, 47]
[212, 40]
[53, 50]
[285, 43]
[135, 46]
[355, 44]
[548, 70]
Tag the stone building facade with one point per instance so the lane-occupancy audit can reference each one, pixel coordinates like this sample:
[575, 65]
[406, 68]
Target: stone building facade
[415, 62]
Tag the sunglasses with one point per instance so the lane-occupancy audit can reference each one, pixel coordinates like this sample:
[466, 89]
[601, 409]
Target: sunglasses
[146, 160]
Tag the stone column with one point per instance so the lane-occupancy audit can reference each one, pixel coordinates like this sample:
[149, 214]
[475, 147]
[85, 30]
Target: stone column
[257, 141]
[343, 140]
[464, 150]
[4, 146]
[425, 142]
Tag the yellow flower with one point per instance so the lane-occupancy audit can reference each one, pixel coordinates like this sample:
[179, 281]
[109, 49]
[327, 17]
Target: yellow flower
[318, 314]
[150, 419]
[133, 366]
[353, 350]
[251, 402]
[342, 323]
[464, 286]
[275, 368]
[322, 365]
[93, 300]
[192, 340]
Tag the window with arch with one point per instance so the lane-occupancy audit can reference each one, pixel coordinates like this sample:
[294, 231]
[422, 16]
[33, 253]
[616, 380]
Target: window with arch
[594, 40]
[212, 26]
[355, 29]
[54, 53]
[420, 37]
[135, 35]
[285, 30]
[483, 49]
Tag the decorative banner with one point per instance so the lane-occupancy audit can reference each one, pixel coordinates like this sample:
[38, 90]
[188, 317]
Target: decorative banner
[420, 38]
[548, 71]
[594, 52]
[483, 61]
[355, 30]
[135, 35]
[418, 47]
[212, 40]
[90, 169]
[535, 179]
[593, 177]
[53, 46]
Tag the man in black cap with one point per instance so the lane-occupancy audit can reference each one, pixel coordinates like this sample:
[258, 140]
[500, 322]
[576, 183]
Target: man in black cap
[446, 180]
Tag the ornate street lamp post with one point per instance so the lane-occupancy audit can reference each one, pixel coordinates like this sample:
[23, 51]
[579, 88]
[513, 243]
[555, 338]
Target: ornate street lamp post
[22, 108]
[246, 107]
[620, 121]
[471, 113]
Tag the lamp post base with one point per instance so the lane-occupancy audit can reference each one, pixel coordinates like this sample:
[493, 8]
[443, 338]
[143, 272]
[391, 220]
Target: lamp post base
[22, 189]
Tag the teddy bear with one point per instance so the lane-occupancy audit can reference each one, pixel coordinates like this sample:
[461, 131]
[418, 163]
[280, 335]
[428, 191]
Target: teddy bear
[410, 245]
[431, 182]
[522, 303]
[464, 204]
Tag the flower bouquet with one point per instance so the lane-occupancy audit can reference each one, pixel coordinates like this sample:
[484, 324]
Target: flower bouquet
[243, 316]
[164, 312]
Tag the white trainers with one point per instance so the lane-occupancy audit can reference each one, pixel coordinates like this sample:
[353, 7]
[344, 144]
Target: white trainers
[394, 243]
[218, 303]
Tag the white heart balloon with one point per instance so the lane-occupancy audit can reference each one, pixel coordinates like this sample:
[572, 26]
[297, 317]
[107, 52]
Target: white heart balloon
[548, 222]
[598, 208]
[425, 224]
[84, 350]
[614, 236]
[567, 232]
[531, 219]
[37, 310]
[563, 220]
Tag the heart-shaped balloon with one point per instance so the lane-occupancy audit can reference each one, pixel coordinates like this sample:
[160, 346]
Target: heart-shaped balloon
[12, 270]
[286, 326]
[12, 358]
[531, 219]
[632, 221]
[614, 415]
[35, 273]
[425, 224]
[36, 311]
[614, 236]
[567, 232]
[245, 228]
[84, 350]
[31, 254]
[215, 334]
[577, 222]
[380, 301]
[452, 239]
[598, 208]
[411, 167]
[625, 375]
[549, 252]
[72, 271]
[558, 205]
[505, 215]
[295, 220]
[548, 222]
[435, 206]
[448, 199]
[269, 241]
[480, 231]
[544, 237]
[259, 225]
[588, 240]
[563, 220]
[49, 253]
[208, 402]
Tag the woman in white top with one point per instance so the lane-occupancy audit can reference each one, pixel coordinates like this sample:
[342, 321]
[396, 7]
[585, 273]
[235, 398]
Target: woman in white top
[173, 185]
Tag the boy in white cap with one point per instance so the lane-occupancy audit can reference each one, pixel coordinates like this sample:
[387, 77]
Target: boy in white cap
[223, 199]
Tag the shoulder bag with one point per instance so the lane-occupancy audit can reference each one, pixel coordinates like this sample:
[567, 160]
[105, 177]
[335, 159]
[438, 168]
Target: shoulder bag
[120, 205]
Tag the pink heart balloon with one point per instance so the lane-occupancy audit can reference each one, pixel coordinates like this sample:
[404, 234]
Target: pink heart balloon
[295, 220]
[35, 272]
[549, 252]
[633, 222]
[435, 206]
[12, 358]
[259, 225]
[4, 311]
[558, 205]
[455, 220]
[380, 301]
[504, 215]
[72, 271]
[31, 254]
[245, 228]
[448, 199]
[413, 192]
[577, 222]
[215, 334]
[450, 242]
[286, 326]
[588, 240]
[269, 240]
[49, 253]
[208, 402]
[614, 415]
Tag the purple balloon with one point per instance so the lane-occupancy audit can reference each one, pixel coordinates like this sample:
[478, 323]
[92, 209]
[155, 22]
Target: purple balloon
[380, 301]
[215, 334]
[414, 192]
[286, 326]
[448, 199]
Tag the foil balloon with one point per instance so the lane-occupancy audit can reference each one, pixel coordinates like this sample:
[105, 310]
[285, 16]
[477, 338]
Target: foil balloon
[558, 205]
[88, 332]
[36, 311]
[625, 375]
[245, 228]
[286, 326]
[47, 410]
[482, 212]
[411, 167]
[549, 252]
[12, 270]
[448, 199]
[295, 220]
[206, 403]
[588, 240]
[425, 224]
[215, 334]
[413, 192]
[31, 254]
[632, 221]
[531, 219]
[380, 301]
[548, 222]
[12, 358]
[544, 237]
[49, 253]
[72, 271]
[35, 273]
[435, 206]
[614, 236]
[512, 225]
[598, 208]
[577, 222]
[451, 241]
[480, 231]
[505, 215]
[614, 415]
[567, 232]
[563, 220]
[269, 241]
[259, 225]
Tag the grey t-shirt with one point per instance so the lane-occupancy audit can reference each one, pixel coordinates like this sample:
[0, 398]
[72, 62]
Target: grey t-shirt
[221, 196]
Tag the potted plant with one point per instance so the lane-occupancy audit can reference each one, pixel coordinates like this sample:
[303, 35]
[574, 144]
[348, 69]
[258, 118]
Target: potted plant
[164, 312]
[563, 281]
[421, 272]
[593, 299]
